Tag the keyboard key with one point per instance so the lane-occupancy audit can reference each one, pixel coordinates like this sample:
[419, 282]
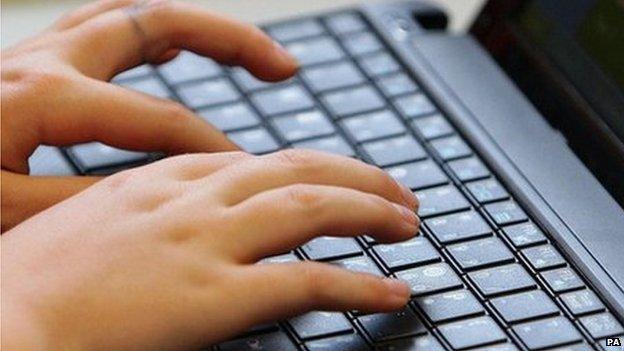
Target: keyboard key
[255, 141]
[524, 234]
[487, 190]
[413, 252]
[601, 325]
[97, 155]
[303, 125]
[469, 169]
[373, 125]
[394, 150]
[458, 226]
[352, 101]
[430, 279]
[396, 84]
[316, 324]
[379, 64]
[335, 145]
[502, 280]
[441, 200]
[420, 343]
[450, 305]
[543, 257]
[362, 43]
[498, 347]
[576, 347]
[283, 99]
[327, 247]
[582, 302]
[361, 264]
[49, 161]
[211, 92]
[418, 175]
[452, 147]
[314, 51]
[295, 30]
[480, 253]
[332, 76]
[248, 82]
[149, 85]
[345, 23]
[280, 259]
[272, 341]
[523, 306]
[188, 66]
[562, 280]
[261, 329]
[506, 212]
[547, 333]
[134, 73]
[386, 326]
[230, 117]
[432, 127]
[350, 342]
[414, 105]
[472, 332]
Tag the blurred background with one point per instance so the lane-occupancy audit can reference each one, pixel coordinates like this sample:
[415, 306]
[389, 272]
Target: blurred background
[22, 18]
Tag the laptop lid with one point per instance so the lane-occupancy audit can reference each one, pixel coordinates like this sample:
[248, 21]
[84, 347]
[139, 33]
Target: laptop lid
[568, 58]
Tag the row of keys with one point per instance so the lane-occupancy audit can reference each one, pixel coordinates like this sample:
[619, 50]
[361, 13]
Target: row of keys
[294, 117]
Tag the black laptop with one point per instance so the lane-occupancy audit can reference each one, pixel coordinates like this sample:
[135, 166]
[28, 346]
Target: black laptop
[512, 137]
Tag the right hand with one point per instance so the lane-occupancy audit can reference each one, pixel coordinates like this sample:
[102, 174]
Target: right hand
[162, 256]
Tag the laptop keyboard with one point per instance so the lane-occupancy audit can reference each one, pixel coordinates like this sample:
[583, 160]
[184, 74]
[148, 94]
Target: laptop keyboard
[483, 275]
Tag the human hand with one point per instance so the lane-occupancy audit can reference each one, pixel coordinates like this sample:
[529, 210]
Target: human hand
[161, 256]
[55, 90]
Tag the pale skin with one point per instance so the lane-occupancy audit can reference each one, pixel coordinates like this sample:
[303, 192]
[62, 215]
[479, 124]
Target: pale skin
[164, 256]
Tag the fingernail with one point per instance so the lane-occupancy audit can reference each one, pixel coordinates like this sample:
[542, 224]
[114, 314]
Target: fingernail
[398, 289]
[408, 215]
[409, 197]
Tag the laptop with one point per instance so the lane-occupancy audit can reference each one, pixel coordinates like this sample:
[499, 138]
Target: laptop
[512, 136]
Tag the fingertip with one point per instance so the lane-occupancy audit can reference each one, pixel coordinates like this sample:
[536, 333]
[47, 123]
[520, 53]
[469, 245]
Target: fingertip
[281, 65]
[287, 61]
[398, 293]
[390, 295]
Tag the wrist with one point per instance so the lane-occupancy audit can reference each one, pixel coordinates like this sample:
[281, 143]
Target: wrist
[20, 330]
[26, 324]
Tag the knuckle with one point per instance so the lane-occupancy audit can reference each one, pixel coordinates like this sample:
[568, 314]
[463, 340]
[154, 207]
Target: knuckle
[316, 280]
[157, 8]
[119, 180]
[297, 159]
[44, 81]
[304, 198]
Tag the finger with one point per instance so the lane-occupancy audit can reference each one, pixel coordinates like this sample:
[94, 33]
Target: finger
[167, 56]
[89, 11]
[288, 217]
[305, 166]
[194, 166]
[129, 120]
[24, 196]
[120, 39]
[311, 286]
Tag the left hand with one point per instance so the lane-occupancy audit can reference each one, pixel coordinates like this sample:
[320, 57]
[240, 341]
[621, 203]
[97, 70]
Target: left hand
[55, 89]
